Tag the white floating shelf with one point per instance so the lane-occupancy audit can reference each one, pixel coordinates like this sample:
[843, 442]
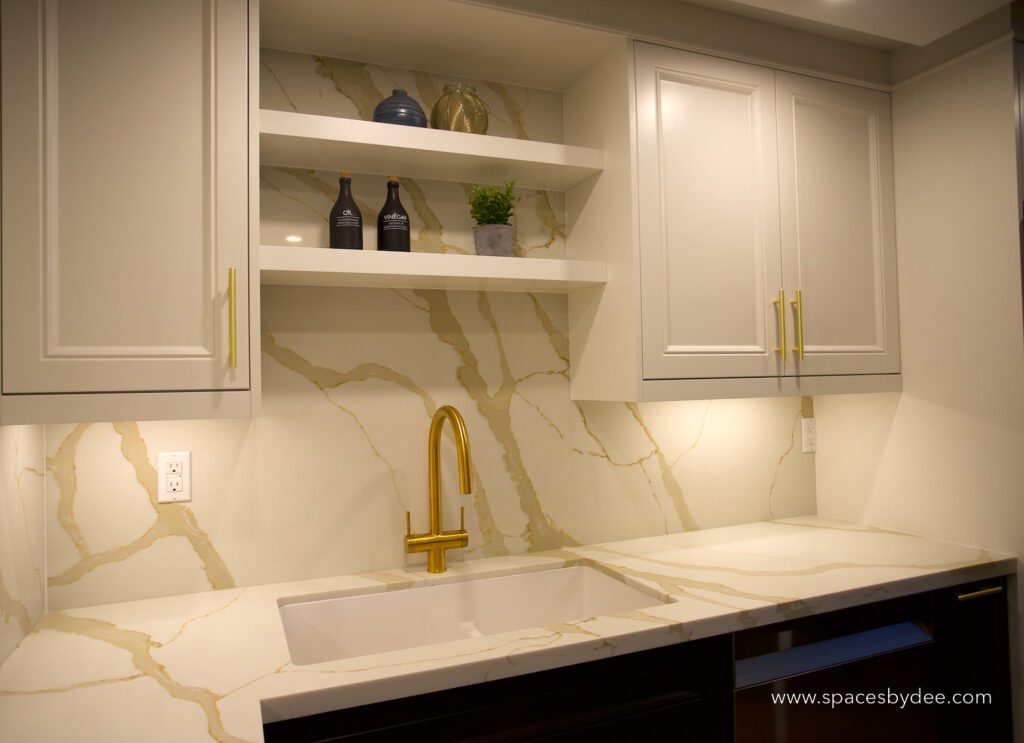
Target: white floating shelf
[331, 143]
[371, 268]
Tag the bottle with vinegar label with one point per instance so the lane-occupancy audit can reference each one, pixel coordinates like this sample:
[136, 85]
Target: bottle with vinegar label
[346, 220]
[393, 221]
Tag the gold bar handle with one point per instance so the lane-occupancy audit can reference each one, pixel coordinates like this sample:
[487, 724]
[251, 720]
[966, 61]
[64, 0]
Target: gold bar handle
[798, 349]
[232, 320]
[978, 594]
[408, 524]
[781, 304]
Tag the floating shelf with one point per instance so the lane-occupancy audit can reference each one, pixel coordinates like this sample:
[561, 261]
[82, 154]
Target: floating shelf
[331, 143]
[370, 268]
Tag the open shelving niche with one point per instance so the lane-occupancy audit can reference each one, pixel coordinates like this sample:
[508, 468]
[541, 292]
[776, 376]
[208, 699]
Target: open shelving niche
[324, 142]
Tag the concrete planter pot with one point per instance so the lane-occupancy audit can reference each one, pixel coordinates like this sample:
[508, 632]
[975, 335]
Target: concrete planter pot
[493, 239]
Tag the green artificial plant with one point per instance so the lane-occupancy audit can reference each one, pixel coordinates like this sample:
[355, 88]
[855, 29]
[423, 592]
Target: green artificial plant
[491, 204]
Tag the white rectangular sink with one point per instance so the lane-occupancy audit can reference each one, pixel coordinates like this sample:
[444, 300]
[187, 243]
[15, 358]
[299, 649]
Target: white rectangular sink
[321, 629]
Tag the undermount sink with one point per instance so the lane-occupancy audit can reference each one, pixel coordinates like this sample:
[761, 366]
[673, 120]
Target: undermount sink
[321, 629]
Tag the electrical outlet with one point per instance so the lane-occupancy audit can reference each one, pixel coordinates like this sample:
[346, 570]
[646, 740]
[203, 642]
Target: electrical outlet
[809, 435]
[174, 476]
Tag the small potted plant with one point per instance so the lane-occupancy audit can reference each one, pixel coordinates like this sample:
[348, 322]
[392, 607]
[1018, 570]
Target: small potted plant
[491, 207]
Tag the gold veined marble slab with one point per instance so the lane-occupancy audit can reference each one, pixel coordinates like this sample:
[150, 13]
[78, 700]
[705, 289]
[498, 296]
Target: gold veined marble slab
[22, 548]
[351, 377]
[213, 665]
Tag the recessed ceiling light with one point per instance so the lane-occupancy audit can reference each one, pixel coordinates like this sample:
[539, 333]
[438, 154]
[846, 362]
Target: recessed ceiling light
[293, 239]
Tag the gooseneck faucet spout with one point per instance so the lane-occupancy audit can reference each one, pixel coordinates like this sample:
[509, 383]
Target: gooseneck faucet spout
[437, 541]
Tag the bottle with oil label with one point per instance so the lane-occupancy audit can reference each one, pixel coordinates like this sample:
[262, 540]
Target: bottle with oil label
[346, 220]
[393, 221]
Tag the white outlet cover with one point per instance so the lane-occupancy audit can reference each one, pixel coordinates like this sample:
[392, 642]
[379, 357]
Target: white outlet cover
[809, 435]
[174, 476]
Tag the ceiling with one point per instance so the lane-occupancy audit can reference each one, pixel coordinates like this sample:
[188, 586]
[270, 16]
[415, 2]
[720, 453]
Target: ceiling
[881, 23]
[469, 38]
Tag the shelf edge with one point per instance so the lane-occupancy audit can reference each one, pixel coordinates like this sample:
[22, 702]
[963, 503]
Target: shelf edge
[281, 265]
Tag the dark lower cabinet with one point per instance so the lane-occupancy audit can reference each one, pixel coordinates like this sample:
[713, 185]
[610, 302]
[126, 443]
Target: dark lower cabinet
[929, 668]
[876, 664]
[973, 658]
[658, 692]
[761, 716]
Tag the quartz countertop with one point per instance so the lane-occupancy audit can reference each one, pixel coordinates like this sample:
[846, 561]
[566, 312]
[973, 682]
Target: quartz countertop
[212, 666]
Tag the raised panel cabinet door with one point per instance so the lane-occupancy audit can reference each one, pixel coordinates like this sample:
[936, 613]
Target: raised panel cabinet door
[1019, 70]
[124, 195]
[708, 209]
[838, 226]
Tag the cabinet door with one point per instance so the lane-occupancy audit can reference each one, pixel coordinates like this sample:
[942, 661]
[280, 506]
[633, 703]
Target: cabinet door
[972, 632]
[646, 695]
[838, 228]
[124, 194]
[708, 211]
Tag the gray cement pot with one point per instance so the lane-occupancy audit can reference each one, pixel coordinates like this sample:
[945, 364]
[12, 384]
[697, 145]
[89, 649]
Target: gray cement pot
[493, 239]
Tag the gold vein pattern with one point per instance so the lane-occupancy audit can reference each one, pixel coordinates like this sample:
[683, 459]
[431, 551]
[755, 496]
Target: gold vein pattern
[200, 667]
[169, 519]
[319, 484]
[22, 583]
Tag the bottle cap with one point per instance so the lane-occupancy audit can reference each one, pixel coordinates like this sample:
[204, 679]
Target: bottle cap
[392, 179]
[344, 174]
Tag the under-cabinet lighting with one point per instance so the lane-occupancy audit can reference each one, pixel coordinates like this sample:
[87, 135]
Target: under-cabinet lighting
[293, 239]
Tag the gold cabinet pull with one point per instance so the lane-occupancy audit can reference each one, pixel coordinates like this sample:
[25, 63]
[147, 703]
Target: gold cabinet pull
[781, 304]
[978, 594]
[798, 349]
[232, 320]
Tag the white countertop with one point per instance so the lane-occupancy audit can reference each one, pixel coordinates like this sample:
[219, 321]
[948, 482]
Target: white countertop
[197, 667]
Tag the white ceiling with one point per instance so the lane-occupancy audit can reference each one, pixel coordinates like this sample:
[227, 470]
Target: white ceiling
[466, 38]
[883, 23]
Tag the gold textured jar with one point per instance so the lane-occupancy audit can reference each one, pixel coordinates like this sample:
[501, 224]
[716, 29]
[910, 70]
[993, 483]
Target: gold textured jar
[459, 110]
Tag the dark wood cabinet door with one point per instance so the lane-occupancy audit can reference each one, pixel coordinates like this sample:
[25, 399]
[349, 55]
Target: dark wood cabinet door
[762, 718]
[971, 637]
[661, 692]
[941, 645]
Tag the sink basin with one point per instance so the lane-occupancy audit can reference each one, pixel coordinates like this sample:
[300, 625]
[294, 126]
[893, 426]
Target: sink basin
[320, 629]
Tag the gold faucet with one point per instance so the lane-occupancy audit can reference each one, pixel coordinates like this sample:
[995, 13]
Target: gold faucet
[436, 541]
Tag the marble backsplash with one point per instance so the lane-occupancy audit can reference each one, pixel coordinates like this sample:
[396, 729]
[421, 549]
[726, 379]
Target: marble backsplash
[296, 202]
[310, 84]
[22, 558]
[319, 485]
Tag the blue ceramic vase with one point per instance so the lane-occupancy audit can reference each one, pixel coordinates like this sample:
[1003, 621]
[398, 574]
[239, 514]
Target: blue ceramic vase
[399, 108]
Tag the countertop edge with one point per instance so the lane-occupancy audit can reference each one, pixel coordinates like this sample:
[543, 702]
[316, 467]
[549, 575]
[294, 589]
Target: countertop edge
[302, 704]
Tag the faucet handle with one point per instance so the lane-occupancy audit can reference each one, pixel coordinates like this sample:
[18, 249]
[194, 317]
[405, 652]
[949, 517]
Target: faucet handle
[408, 524]
[462, 518]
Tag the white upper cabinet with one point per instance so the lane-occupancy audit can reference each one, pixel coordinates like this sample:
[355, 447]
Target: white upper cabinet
[762, 259]
[838, 227]
[709, 220]
[125, 196]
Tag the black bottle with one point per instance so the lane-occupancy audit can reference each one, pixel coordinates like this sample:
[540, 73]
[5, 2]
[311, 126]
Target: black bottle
[393, 221]
[346, 220]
